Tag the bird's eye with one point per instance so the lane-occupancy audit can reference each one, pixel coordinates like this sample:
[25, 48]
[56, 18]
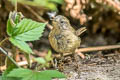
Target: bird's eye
[61, 21]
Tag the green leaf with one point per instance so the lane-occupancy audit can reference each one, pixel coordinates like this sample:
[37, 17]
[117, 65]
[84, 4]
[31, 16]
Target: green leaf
[53, 73]
[17, 18]
[27, 74]
[14, 19]
[48, 57]
[40, 60]
[28, 30]
[20, 72]
[9, 28]
[21, 44]
[6, 72]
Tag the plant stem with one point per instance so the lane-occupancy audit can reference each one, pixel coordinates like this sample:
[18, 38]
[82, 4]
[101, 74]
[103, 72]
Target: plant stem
[16, 5]
[4, 52]
[3, 41]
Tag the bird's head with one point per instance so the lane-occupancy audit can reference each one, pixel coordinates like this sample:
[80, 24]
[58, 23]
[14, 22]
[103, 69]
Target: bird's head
[61, 22]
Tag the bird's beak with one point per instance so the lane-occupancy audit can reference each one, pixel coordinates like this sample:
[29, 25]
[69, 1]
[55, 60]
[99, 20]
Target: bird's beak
[52, 18]
[52, 15]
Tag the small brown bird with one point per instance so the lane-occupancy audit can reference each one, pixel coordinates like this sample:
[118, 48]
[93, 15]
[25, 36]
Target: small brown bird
[63, 37]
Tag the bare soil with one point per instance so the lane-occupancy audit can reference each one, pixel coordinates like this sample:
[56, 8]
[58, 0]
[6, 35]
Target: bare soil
[94, 67]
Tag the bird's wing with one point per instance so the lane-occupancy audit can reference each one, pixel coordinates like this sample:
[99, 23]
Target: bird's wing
[80, 31]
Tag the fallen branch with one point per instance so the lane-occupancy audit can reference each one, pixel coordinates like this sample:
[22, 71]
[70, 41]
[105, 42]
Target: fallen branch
[90, 49]
[97, 48]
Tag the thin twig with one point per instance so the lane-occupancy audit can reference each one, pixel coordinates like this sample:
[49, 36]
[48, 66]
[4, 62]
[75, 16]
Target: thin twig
[91, 49]
[4, 52]
[23, 63]
[38, 16]
[1, 42]
[98, 48]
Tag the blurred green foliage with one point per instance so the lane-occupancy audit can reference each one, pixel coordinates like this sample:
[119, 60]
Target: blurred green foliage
[49, 4]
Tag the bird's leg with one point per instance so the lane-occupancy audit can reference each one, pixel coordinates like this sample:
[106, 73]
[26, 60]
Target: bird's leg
[76, 60]
[54, 63]
[79, 53]
[62, 57]
[80, 31]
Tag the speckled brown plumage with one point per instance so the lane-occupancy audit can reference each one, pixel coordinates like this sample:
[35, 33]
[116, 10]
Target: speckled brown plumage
[62, 37]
